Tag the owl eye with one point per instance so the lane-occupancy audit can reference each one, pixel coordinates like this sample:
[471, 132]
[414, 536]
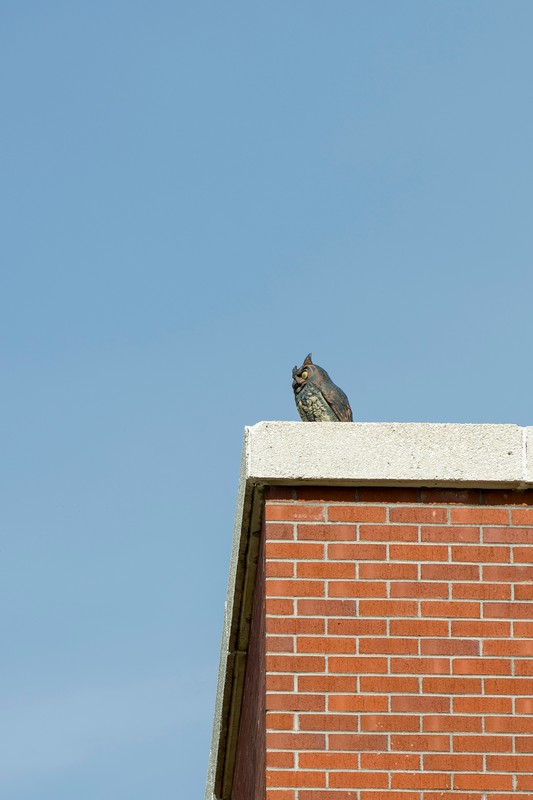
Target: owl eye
[304, 374]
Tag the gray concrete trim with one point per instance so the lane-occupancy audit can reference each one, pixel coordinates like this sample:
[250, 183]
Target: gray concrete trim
[378, 454]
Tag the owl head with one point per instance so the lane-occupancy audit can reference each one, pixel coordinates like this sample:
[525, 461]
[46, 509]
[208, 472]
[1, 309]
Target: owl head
[300, 375]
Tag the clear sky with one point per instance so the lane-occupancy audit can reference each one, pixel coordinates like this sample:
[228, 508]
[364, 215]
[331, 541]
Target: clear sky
[193, 196]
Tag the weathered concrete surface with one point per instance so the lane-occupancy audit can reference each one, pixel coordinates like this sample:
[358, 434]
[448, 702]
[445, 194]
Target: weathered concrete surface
[387, 453]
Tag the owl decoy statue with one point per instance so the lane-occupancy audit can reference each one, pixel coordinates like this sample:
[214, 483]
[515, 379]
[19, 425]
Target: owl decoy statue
[318, 399]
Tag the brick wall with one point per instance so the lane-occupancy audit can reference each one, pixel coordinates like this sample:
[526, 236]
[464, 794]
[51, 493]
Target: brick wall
[399, 633]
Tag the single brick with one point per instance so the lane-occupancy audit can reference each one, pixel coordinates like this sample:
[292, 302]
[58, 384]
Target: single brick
[294, 550]
[295, 663]
[508, 535]
[522, 516]
[482, 744]
[326, 533]
[293, 513]
[450, 534]
[420, 589]
[451, 686]
[418, 552]
[279, 722]
[328, 722]
[482, 666]
[388, 533]
[326, 608]
[297, 777]
[326, 644]
[481, 591]
[355, 513]
[295, 625]
[330, 761]
[324, 569]
[360, 702]
[356, 588]
[296, 741]
[420, 666]
[451, 609]
[388, 608]
[418, 514]
[449, 647]
[390, 722]
[282, 530]
[479, 516]
[418, 627]
[357, 552]
[362, 780]
[481, 553]
[294, 588]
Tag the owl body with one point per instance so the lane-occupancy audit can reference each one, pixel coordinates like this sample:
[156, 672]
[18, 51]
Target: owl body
[317, 398]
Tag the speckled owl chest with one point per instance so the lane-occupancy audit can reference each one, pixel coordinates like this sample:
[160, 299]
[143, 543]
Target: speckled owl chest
[312, 407]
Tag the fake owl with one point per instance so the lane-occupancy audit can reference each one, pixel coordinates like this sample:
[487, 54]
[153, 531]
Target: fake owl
[317, 398]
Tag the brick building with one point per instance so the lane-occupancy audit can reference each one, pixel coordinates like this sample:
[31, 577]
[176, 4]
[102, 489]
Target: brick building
[378, 638]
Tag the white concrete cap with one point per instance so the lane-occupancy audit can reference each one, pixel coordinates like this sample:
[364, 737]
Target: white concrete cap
[389, 453]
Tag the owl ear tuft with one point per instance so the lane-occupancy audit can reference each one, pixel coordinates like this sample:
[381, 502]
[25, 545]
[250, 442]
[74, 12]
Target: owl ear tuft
[307, 360]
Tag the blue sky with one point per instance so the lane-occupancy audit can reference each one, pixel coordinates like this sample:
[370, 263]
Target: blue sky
[194, 196]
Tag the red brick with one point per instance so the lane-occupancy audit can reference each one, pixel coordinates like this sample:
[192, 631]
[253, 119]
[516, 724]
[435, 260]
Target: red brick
[280, 683]
[280, 644]
[274, 759]
[508, 647]
[390, 722]
[524, 705]
[507, 497]
[316, 794]
[522, 516]
[357, 665]
[455, 723]
[295, 663]
[523, 591]
[326, 644]
[522, 629]
[524, 782]
[418, 552]
[295, 625]
[327, 683]
[324, 569]
[420, 742]
[524, 667]
[294, 550]
[293, 513]
[523, 555]
[450, 534]
[326, 533]
[357, 552]
[510, 763]
[515, 686]
[280, 722]
[449, 647]
[388, 646]
[514, 574]
[279, 493]
[482, 705]
[524, 744]
[512, 724]
[418, 514]
[482, 628]
[481, 591]
[279, 531]
[453, 762]
[295, 702]
[279, 569]
[326, 494]
[482, 782]
[360, 702]
[481, 553]
[451, 686]
[479, 516]
[356, 588]
[482, 666]
[418, 627]
[390, 761]
[294, 588]
[357, 513]
[420, 780]
[386, 494]
[388, 572]
[384, 683]
[280, 794]
[420, 589]
[482, 744]
[450, 572]
[388, 533]
[330, 761]
[451, 496]
[451, 609]
[419, 666]
[357, 741]
[508, 535]
[327, 608]
[357, 627]
[359, 780]
[328, 722]
[508, 610]
[422, 704]
[381, 795]
[296, 741]
[387, 608]
[297, 777]
[279, 607]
